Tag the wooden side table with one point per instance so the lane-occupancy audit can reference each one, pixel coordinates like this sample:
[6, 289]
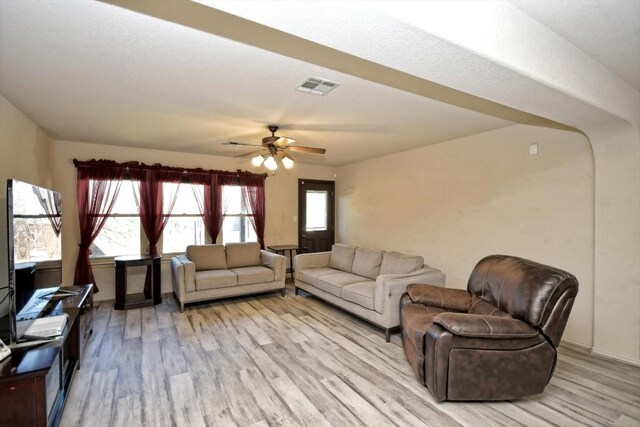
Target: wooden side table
[126, 301]
[282, 250]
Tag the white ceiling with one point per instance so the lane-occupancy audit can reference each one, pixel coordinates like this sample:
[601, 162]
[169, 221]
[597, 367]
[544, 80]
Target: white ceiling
[606, 30]
[89, 71]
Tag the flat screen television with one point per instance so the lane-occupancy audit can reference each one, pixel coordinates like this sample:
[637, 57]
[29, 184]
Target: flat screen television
[34, 224]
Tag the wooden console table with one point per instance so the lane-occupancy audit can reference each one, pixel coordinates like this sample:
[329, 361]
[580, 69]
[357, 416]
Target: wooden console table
[126, 301]
[35, 381]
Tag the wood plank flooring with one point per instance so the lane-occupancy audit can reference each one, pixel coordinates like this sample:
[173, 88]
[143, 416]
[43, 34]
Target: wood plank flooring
[272, 361]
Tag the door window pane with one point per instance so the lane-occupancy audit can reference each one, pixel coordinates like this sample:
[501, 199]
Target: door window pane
[316, 216]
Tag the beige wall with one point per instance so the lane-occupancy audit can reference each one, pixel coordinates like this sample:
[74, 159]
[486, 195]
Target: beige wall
[452, 203]
[616, 147]
[455, 202]
[281, 198]
[24, 155]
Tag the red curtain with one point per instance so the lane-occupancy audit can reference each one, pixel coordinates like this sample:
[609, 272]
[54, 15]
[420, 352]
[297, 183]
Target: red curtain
[95, 202]
[254, 200]
[150, 206]
[213, 207]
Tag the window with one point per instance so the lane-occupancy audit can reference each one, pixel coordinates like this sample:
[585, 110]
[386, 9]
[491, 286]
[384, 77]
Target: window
[185, 225]
[121, 232]
[236, 225]
[316, 210]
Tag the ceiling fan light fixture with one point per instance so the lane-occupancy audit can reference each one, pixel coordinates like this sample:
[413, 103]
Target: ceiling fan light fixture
[270, 163]
[257, 160]
[287, 162]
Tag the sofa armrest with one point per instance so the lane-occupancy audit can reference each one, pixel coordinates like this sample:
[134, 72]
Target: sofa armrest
[312, 260]
[183, 273]
[276, 263]
[480, 326]
[390, 287]
[435, 296]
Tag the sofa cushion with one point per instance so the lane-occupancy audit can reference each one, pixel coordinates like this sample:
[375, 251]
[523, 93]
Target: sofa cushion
[251, 275]
[207, 257]
[333, 283]
[214, 279]
[342, 257]
[399, 263]
[243, 254]
[311, 275]
[361, 293]
[366, 262]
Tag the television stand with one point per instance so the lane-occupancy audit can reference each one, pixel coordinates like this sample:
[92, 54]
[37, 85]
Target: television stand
[35, 381]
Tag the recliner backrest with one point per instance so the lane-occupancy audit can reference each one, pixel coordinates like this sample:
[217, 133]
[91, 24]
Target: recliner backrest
[535, 293]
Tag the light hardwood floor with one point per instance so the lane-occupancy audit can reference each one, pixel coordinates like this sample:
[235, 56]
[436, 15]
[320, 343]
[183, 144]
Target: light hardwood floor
[272, 361]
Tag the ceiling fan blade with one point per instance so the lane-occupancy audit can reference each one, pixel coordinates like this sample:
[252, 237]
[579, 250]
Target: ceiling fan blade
[312, 150]
[283, 141]
[241, 144]
[283, 153]
[250, 154]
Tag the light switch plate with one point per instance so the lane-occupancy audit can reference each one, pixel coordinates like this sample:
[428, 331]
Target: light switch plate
[533, 149]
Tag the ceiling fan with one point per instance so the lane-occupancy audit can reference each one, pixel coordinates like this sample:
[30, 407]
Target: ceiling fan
[274, 148]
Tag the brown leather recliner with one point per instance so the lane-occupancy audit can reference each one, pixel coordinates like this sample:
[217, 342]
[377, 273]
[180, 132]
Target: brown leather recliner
[495, 341]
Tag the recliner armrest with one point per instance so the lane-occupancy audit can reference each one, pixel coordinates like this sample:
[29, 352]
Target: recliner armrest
[435, 296]
[479, 326]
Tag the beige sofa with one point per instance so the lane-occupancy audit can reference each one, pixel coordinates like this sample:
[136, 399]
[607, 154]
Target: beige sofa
[365, 282]
[218, 271]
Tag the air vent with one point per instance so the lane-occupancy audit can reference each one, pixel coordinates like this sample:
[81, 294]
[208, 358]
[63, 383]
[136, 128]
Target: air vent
[316, 86]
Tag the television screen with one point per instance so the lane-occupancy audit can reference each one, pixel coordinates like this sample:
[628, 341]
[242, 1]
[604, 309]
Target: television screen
[34, 221]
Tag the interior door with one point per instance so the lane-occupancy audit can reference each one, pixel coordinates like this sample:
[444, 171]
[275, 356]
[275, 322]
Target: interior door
[316, 209]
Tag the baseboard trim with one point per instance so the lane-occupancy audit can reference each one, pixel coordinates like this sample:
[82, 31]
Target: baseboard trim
[113, 299]
[586, 349]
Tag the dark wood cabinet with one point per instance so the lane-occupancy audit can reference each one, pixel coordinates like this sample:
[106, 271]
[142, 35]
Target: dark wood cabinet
[35, 382]
[152, 296]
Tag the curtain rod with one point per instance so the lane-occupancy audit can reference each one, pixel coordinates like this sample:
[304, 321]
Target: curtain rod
[157, 166]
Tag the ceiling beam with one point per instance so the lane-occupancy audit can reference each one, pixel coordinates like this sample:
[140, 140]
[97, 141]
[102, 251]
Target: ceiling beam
[216, 22]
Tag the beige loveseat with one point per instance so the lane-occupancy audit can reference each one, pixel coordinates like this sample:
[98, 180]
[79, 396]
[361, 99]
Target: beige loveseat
[365, 282]
[218, 271]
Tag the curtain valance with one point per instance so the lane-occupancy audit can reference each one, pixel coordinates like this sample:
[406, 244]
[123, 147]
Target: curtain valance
[198, 175]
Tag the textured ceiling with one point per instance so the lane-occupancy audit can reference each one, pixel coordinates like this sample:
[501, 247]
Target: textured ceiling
[606, 30]
[93, 72]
